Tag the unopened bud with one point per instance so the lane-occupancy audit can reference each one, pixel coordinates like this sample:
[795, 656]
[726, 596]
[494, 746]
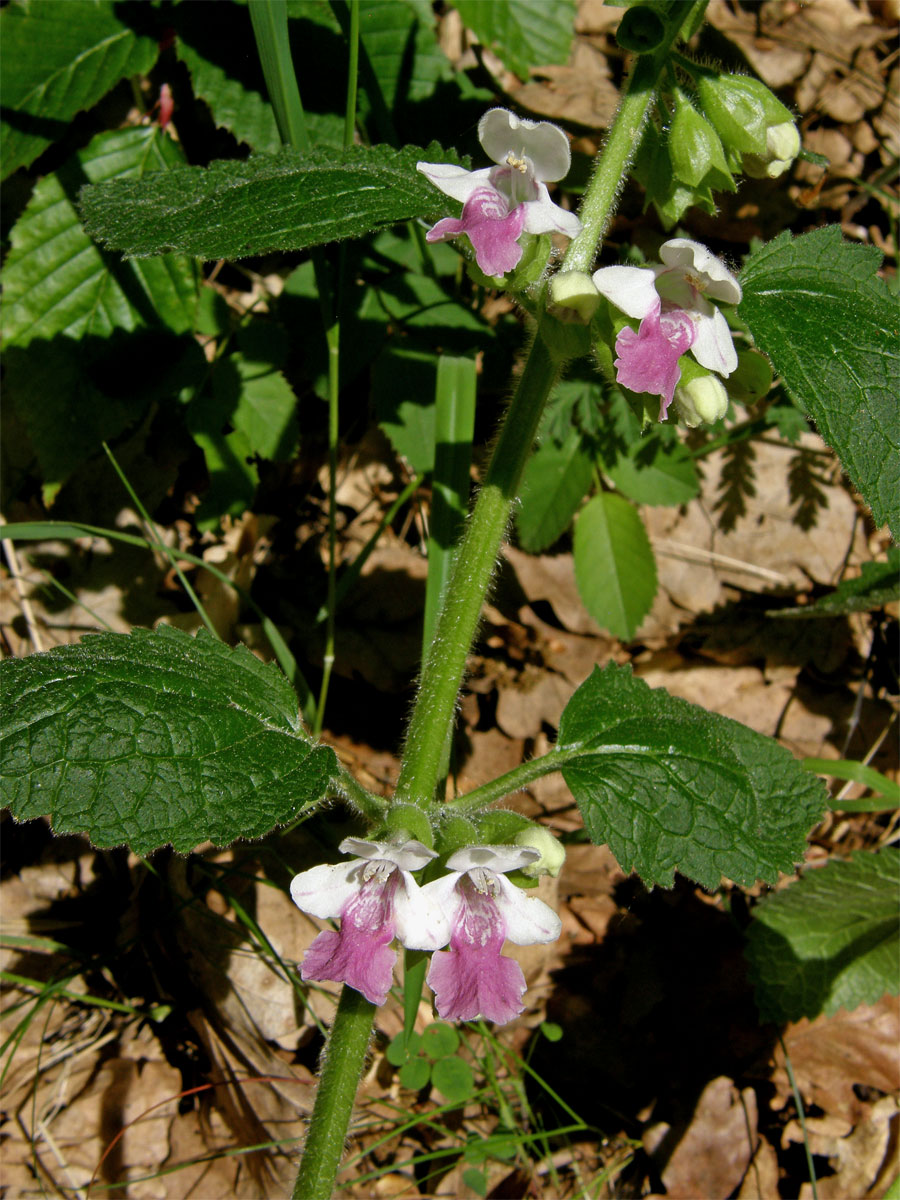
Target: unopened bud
[552, 852]
[701, 401]
[574, 291]
[782, 147]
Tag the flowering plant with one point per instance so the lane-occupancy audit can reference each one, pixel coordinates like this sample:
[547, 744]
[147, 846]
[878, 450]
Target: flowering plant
[158, 738]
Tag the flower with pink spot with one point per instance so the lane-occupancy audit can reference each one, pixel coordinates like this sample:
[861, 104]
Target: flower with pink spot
[473, 979]
[502, 202]
[671, 301]
[377, 900]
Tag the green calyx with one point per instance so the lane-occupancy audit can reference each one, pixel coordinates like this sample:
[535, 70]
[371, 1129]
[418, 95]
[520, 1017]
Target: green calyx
[695, 150]
[407, 822]
[455, 832]
[741, 110]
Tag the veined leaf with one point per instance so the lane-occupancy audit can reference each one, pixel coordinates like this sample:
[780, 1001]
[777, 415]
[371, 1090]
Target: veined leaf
[59, 59]
[830, 940]
[523, 33]
[672, 787]
[56, 281]
[832, 331]
[614, 565]
[156, 738]
[554, 483]
[284, 201]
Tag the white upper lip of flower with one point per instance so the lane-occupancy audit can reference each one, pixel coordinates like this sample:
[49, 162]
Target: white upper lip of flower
[688, 274]
[527, 154]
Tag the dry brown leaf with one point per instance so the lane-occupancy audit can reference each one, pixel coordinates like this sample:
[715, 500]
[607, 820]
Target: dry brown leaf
[538, 697]
[581, 91]
[831, 1056]
[775, 57]
[712, 1155]
[761, 1180]
[864, 1161]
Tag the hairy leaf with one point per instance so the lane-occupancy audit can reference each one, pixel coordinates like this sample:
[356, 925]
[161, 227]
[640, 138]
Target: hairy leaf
[523, 33]
[830, 940]
[614, 565]
[156, 738]
[671, 787]
[284, 201]
[832, 331]
[59, 59]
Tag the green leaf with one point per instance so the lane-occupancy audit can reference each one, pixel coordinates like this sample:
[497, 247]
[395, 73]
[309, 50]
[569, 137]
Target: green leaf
[254, 396]
[59, 59]
[57, 281]
[403, 52]
[555, 480]
[671, 787]
[415, 1074]
[614, 565]
[73, 395]
[230, 81]
[453, 1077]
[440, 1040]
[156, 738]
[877, 584]
[830, 327]
[655, 470]
[284, 201]
[403, 384]
[830, 940]
[522, 33]
[399, 1049]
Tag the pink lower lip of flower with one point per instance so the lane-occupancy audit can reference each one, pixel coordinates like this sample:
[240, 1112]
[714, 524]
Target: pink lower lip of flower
[648, 360]
[359, 955]
[491, 228]
[473, 979]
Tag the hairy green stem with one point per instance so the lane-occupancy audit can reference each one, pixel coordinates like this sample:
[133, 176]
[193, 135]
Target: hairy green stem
[622, 144]
[516, 779]
[473, 566]
[431, 722]
[339, 1078]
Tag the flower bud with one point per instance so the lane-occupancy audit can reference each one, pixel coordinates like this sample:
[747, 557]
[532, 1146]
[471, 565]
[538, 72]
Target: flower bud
[782, 147]
[574, 293]
[553, 854]
[741, 110]
[700, 397]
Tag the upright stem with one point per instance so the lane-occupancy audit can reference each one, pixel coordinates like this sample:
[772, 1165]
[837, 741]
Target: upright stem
[338, 1081]
[473, 565]
[622, 144]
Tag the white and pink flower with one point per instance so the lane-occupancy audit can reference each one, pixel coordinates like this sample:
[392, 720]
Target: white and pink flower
[672, 303]
[502, 202]
[473, 978]
[377, 900]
